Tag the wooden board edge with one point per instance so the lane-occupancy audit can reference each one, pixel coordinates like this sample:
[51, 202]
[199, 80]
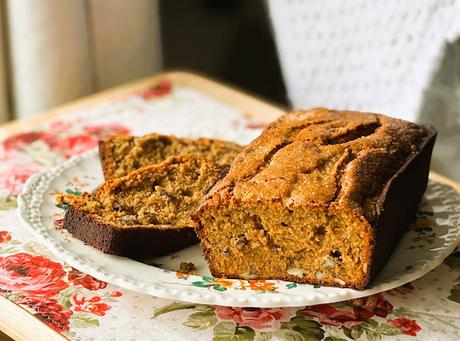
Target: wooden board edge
[445, 180]
[249, 103]
[22, 325]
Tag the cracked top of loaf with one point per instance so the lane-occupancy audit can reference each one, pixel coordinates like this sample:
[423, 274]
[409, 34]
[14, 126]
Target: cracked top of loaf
[321, 157]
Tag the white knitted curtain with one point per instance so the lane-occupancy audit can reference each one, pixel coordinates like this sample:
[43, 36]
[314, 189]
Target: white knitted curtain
[362, 54]
[376, 55]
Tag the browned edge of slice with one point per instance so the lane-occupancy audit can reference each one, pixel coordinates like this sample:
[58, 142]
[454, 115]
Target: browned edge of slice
[106, 158]
[138, 242]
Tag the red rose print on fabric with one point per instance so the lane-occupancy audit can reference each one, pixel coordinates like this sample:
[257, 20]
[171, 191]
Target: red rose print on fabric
[351, 314]
[373, 305]
[408, 327]
[89, 139]
[92, 305]
[5, 236]
[263, 319]
[402, 290]
[14, 172]
[18, 141]
[49, 311]
[35, 275]
[256, 125]
[60, 126]
[18, 163]
[327, 314]
[68, 145]
[102, 130]
[87, 281]
[77, 144]
[163, 88]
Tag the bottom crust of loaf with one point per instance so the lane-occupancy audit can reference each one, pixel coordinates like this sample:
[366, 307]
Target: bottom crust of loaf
[138, 242]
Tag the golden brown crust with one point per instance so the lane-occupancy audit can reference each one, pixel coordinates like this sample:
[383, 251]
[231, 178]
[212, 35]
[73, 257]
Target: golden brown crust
[322, 156]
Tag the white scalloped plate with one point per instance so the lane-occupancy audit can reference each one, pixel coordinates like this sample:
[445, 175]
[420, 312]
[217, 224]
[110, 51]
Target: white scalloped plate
[422, 249]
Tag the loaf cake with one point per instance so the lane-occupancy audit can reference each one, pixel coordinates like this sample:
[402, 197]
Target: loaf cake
[122, 154]
[321, 197]
[147, 212]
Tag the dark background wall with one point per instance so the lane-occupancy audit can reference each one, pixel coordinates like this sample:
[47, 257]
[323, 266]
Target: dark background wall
[229, 40]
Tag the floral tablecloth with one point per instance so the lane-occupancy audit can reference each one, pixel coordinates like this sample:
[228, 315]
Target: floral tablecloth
[84, 308]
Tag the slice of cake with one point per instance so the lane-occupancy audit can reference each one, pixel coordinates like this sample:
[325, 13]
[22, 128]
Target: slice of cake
[146, 213]
[122, 154]
[321, 197]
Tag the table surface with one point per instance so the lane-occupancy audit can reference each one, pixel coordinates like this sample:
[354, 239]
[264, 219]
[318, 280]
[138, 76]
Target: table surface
[42, 298]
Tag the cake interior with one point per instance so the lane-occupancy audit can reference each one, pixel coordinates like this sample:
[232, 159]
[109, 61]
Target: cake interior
[311, 244]
[127, 153]
[163, 194]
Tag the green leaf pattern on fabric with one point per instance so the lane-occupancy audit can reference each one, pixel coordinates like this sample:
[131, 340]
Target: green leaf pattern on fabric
[8, 203]
[172, 307]
[84, 321]
[305, 328]
[201, 320]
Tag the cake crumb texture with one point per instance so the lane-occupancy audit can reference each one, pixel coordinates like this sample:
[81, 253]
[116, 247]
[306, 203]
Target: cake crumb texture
[122, 154]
